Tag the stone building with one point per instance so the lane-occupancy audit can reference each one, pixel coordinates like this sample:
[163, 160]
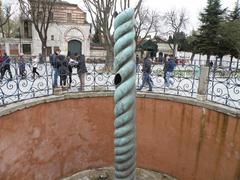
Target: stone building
[68, 31]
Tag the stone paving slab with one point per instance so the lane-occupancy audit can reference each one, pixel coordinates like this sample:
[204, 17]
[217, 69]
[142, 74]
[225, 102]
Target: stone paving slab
[108, 174]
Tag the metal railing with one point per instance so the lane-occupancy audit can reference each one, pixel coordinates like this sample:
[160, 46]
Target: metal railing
[224, 89]
[224, 85]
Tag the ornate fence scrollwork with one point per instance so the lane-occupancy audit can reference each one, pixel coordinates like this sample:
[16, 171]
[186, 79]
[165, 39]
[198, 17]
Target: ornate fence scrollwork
[223, 86]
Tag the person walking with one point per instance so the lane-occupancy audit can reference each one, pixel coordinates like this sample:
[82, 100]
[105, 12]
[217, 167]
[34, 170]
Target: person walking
[81, 70]
[169, 71]
[55, 64]
[6, 66]
[35, 61]
[147, 63]
[165, 68]
[21, 66]
[137, 63]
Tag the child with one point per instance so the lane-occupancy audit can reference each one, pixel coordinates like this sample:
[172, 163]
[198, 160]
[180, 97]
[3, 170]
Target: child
[35, 61]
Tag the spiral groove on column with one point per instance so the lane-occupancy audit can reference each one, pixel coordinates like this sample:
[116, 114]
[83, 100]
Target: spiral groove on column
[125, 96]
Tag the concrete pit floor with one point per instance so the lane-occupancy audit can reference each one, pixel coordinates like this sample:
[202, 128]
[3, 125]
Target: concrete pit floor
[108, 174]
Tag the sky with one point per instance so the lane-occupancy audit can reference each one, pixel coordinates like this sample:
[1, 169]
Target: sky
[192, 7]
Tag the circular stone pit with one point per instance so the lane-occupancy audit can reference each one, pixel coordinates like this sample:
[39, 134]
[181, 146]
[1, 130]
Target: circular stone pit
[108, 174]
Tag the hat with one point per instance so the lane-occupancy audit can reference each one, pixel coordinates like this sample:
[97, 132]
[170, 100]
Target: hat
[21, 54]
[34, 55]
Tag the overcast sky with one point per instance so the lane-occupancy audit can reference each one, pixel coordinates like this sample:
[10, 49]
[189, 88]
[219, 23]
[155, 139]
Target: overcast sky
[192, 7]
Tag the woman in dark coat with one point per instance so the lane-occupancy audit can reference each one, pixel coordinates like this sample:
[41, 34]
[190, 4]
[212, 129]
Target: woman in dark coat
[63, 71]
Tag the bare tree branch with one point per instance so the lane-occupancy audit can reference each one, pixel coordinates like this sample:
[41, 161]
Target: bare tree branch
[137, 8]
[5, 17]
[146, 23]
[102, 15]
[39, 13]
[175, 23]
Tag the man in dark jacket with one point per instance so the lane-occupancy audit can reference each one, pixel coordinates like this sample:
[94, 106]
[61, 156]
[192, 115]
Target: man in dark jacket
[169, 71]
[147, 63]
[81, 70]
[54, 60]
[6, 66]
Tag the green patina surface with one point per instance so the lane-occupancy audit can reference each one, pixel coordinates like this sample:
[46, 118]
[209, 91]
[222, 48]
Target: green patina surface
[125, 96]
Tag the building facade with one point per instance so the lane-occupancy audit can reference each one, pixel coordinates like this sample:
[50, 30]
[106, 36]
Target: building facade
[68, 31]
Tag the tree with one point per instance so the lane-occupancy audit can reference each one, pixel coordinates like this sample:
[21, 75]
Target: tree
[11, 29]
[12, 24]
[97, 34]
[39, 12]
[230, 36]
[176, 23]
[192, 41]
[181, 40]
[146, 23]
[102, 14]
[211, 18]
[235, 14]
[223, 48]
[5, 15]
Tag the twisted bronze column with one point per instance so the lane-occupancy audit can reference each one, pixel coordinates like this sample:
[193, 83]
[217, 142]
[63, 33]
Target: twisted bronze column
[125, 96]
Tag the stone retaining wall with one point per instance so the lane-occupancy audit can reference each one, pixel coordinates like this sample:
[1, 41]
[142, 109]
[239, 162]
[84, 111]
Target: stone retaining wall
[57, 136]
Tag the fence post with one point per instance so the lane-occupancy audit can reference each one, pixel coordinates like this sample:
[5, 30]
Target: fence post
[46, 69]
[203, 83]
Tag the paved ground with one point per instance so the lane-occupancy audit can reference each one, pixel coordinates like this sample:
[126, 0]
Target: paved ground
[108, 174]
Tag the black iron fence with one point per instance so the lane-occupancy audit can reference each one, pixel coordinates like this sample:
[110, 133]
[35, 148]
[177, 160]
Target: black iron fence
[99, 78]
[224, 85]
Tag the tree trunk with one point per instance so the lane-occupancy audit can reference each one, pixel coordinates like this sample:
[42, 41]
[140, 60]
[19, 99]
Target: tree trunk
[3, 35]
[43, 56]
[230, 65]
[8, 28]
[174, 50]
[192, 57]
[237, 64]
[220, 62]
[109, 58]
[208, 60]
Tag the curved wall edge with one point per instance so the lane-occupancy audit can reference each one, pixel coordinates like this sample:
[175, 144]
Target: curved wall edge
[8, 109]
